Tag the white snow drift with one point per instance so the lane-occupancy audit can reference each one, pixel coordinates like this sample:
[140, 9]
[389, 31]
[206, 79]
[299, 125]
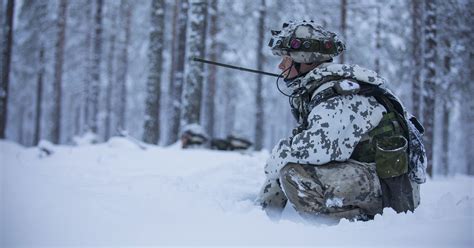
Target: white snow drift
[119, 194]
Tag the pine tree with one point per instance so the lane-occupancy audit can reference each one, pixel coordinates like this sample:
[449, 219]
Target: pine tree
[7, 41]
[152, 113]
[210, 91]
[58, 72]
[343, 25]
[110, 76]
[192, 90]
[2, 27]
[417, 16]
[430, 59]
[177, 69]
[39, 96]
[468, 89]
[122, 66]
[96, 64]
[89, 66]
[470, 115]
[259, 103]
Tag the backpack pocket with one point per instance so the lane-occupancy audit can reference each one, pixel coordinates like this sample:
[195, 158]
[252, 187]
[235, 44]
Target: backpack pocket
[391, 156]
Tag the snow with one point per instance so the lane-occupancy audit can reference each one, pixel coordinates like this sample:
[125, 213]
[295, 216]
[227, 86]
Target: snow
[116, 193]
[334, 202]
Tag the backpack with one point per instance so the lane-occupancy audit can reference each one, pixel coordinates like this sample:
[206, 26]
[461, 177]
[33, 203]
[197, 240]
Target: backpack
[395, 145]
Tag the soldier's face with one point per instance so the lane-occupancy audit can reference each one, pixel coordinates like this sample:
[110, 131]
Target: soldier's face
[285, 64]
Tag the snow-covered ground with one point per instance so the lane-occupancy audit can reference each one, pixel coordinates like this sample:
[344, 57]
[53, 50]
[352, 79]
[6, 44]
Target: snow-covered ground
[117, 194]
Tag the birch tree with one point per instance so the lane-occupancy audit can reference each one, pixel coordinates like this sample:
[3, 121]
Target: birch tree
[192, 90]
[152, 113]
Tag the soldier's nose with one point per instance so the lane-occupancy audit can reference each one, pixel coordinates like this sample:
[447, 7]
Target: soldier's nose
[282, 66]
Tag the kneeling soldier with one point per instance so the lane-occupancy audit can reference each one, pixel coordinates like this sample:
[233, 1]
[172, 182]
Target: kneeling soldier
[356, 149]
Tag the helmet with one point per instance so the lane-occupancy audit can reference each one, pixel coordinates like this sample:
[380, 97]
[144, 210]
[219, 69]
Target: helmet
[305, 42]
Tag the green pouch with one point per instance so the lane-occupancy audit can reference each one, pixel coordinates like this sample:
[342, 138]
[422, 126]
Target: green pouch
[391, 156]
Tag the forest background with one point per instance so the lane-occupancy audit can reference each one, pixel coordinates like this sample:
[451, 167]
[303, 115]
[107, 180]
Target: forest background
[106, 67]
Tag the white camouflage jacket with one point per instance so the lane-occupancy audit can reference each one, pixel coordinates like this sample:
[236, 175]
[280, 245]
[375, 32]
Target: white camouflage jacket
[334, 127]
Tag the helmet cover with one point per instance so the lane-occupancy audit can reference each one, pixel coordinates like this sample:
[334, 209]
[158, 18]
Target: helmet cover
[305, 42]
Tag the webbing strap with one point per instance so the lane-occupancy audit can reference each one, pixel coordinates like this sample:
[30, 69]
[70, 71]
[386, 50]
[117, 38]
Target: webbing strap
[322, 96]
[385, 125]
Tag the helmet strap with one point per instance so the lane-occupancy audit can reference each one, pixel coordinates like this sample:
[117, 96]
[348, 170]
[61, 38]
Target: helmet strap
[297, 67]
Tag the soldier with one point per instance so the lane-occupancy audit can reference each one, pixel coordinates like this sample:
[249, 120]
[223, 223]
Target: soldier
[355, 151]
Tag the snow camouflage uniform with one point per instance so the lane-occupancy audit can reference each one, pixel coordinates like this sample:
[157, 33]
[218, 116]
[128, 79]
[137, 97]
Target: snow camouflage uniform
[335, 165]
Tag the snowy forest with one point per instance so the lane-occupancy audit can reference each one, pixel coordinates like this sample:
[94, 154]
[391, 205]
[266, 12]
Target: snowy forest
[103, 67]
[95, 95]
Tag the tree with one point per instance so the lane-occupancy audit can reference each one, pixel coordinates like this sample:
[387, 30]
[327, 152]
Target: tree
[89, 68]
[417, 16]
[96, 63]
[122, 66]
[39, 97]
[58, 72]
[470, 116]
[7, 42]
[177, 72]
[259, 104]
[152, 112]
[210, 92]
[111, 77]
[2, 13]
[192, 90]
[429, 65]
[343, 25]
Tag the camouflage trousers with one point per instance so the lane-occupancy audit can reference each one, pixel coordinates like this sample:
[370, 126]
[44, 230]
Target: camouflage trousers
[349, 189]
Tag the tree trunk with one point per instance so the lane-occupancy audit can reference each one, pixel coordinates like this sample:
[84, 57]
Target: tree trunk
[21, 114]
[378, 46]
[429, 66]
[88, 77]
[445, 140]
[77, 119]
[259, 113]
[152, 113]
[58, 72]
[39, 97]
[192, 90]
[110, 76]
[343, 25]
[7, 42]
[95, 70]
[417, 16]
[2, 29]
[210, 93]
[122, 69]
[177, 75]
[470, 117]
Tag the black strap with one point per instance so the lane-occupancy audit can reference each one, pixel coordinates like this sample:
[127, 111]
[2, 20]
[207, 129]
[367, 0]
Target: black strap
[322, 96]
